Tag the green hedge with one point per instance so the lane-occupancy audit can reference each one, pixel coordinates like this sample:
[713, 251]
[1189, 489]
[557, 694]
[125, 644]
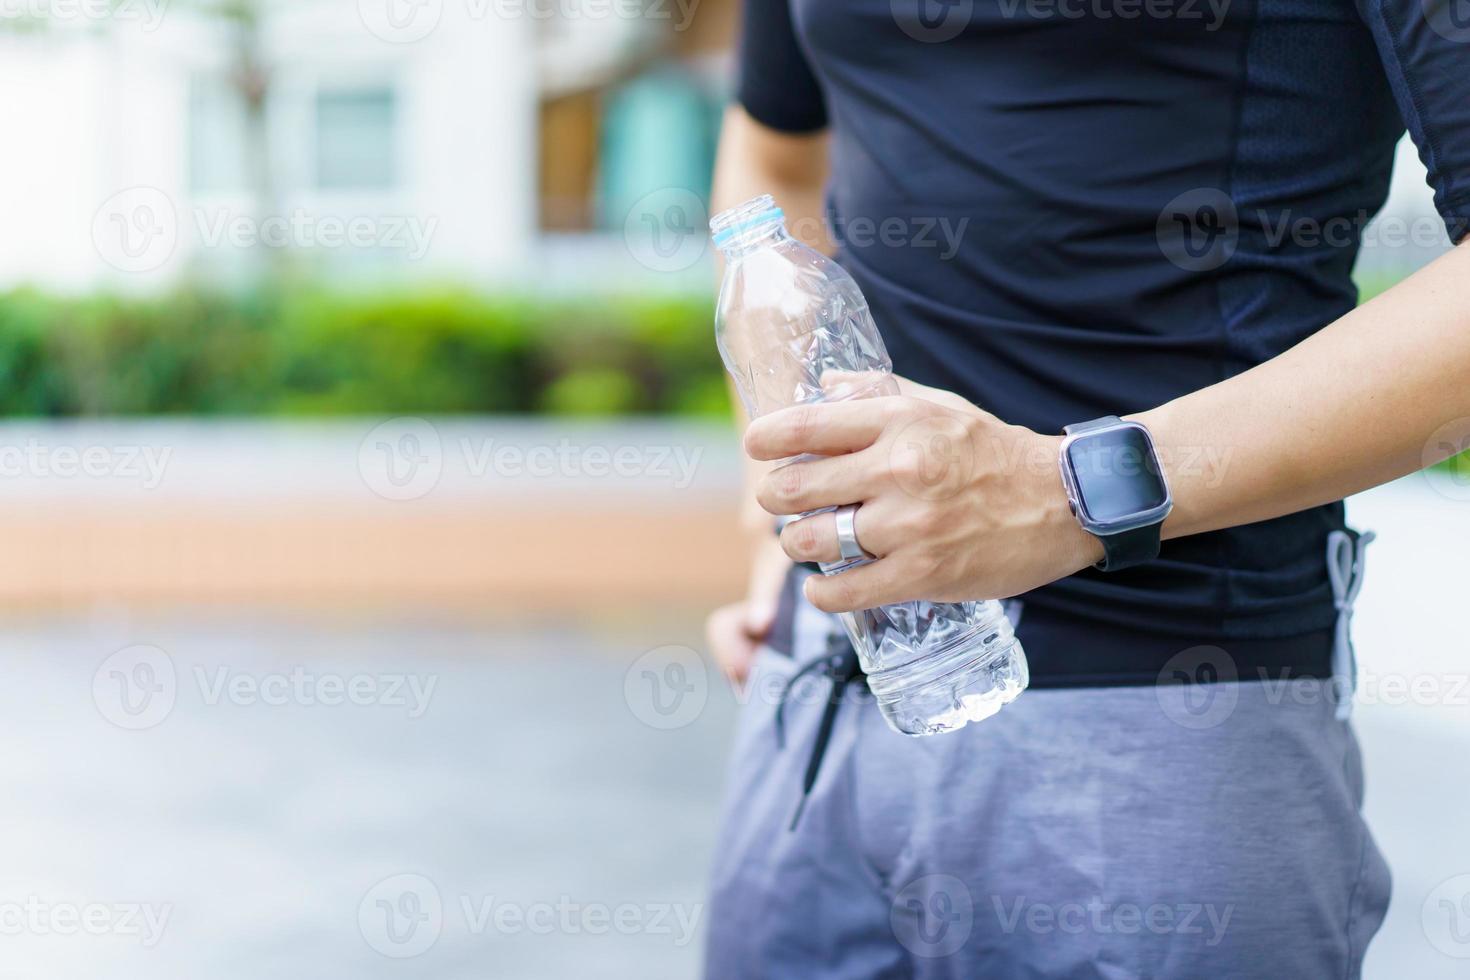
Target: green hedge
[312, 353]
[319, 353]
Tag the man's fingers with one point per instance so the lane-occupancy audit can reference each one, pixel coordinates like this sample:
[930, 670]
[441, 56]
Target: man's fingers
[730, 642]
[815, 538]
[864, 587]
[824, 429]
[845, 384]
[936, 395]
[816, 483]
[812, 539]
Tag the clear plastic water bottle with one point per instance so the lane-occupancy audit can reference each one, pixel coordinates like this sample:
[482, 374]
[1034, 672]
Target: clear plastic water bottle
[793, 328]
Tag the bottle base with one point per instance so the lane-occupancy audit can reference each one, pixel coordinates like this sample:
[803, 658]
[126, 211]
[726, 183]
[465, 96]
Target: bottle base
[970, 693]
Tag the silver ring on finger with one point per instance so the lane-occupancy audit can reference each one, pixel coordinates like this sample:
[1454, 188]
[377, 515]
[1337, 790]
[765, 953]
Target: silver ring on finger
[847, 542]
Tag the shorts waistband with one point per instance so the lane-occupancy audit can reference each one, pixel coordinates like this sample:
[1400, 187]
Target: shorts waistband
[1067, 650]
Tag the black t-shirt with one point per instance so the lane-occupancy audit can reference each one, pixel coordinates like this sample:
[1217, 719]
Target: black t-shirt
[1064, 209]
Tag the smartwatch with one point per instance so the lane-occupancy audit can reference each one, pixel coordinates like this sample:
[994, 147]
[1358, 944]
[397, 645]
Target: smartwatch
[1116, 488]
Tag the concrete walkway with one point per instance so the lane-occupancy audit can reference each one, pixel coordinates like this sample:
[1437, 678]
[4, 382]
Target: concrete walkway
[549, 830]
[452, 514]
[1413, 719]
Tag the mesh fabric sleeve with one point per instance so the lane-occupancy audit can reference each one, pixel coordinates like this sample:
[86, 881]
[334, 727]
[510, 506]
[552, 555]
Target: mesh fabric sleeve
[1425, 49]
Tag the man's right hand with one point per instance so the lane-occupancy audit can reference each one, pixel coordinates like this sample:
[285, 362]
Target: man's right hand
[735, 632]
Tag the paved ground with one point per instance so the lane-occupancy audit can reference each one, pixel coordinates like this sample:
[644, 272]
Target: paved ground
[525, 817]
[262, 828]
[1414, 719]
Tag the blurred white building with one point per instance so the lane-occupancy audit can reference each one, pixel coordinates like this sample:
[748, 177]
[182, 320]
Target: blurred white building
[536, 143]
[440, 130]
[394, 138]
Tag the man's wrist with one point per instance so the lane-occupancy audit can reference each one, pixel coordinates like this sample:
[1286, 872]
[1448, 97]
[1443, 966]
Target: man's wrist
[1163, 429]
[1076, 548]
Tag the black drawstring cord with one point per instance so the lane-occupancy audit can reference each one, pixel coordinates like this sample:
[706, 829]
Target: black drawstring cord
[841, 667]
[820, 665]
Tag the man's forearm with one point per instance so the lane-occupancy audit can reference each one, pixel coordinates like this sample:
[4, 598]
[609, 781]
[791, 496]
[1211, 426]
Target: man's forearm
[1351, 407]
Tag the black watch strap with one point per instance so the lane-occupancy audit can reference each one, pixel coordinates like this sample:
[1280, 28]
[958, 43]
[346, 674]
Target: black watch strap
[1129, 548]
[1126, 548]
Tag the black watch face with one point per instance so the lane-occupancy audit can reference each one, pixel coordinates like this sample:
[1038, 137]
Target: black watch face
[1117, 476]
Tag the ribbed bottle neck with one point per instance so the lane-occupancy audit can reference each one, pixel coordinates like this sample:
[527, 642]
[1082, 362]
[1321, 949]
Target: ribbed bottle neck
[746, 227]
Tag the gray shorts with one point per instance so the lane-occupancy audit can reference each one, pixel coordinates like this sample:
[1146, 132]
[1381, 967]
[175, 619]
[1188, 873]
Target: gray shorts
[1123, 832]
